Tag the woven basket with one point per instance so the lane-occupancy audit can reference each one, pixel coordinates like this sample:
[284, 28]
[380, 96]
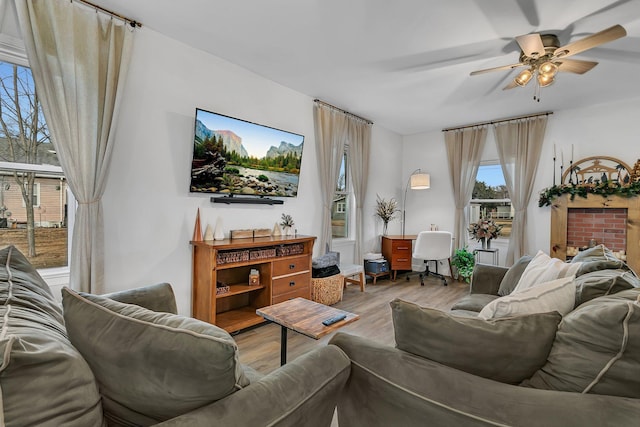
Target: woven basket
[327, 290]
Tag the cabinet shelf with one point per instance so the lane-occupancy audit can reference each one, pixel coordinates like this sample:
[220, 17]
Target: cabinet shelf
[282, 276]
[240, 289]
[241, 318]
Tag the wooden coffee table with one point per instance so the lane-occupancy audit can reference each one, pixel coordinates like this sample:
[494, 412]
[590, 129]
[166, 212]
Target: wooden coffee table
[305, 317]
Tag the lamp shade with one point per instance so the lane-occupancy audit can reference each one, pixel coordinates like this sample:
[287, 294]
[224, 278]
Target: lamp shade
[420, 181]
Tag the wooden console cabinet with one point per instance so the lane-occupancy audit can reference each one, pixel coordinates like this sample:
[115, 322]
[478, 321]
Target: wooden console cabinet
[397, 251]
[284, 264]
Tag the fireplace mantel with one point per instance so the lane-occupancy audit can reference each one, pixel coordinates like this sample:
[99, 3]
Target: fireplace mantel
[562, 204]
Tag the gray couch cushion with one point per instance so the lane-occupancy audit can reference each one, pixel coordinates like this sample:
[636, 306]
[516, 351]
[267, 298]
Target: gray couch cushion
[158, 297]
[598, 258]
[474, 302]
[151, 366]
[597, 349]
[508, 350]
[510, 280]
[603, 282]
[44, 380]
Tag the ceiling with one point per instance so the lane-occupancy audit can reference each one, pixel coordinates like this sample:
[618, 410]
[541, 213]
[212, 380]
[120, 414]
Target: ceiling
[405, 64]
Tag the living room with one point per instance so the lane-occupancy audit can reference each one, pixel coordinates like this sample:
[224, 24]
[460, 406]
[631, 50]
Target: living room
[149, 213]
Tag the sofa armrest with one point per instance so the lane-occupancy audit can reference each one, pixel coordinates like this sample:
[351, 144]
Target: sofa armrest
[158, 297]
[388, 386]
[486, 279]
[303, 392]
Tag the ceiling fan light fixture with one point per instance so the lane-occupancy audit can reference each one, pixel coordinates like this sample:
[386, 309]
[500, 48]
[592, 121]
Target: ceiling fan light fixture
[548, 68]
[523, 78]
[545, 79]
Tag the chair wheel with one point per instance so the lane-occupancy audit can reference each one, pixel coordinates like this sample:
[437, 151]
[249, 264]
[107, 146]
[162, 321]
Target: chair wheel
[407, 277]
[421, 283]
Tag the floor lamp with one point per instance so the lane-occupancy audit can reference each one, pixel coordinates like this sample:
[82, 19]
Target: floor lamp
[417, 181]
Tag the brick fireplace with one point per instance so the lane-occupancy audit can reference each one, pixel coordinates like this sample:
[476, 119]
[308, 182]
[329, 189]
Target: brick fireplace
[602, 225]
[613, 221]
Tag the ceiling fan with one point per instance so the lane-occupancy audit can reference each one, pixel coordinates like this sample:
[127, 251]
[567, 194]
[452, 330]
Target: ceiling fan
[544, 57]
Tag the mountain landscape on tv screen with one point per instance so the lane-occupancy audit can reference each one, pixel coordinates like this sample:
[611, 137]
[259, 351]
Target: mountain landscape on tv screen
[222, 164]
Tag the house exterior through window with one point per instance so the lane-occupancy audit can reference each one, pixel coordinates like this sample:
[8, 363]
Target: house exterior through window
[340, 212]
[33, 190]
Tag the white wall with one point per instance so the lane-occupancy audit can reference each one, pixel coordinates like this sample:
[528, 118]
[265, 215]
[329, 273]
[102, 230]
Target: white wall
[601, 130]
[149, 212]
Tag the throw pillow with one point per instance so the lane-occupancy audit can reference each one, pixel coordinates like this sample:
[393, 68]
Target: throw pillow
[543, 268]
[151, 366]
[511, 349]
[597, 349]
[511, 279]
[557, 295]
[598, 258]
[603, 282]
[44, 379]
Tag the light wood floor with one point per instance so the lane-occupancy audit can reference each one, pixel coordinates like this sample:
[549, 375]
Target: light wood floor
[260, 347]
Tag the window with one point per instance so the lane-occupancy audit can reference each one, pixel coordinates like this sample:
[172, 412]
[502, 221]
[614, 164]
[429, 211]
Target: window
[490, 199]
[35, 195]
[341, 202]
[33, 189]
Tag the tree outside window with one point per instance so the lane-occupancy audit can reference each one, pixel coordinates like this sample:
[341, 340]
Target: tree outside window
[490, 199]
[33, 190]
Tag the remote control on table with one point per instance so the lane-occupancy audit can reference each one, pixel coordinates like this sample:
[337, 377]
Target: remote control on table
[334, 319]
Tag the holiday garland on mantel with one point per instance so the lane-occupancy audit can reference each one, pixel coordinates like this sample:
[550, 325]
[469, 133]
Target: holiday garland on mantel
[631, 188]
[604, 189]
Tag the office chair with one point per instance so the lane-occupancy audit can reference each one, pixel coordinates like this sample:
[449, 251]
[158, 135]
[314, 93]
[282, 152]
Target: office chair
[433, 246]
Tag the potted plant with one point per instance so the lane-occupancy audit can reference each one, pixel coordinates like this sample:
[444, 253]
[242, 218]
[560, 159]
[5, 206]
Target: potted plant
[463, 261]
[287, 223]
[386, 211]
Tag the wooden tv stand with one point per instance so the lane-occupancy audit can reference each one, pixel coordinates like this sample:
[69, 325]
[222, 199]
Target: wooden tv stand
[284, 264]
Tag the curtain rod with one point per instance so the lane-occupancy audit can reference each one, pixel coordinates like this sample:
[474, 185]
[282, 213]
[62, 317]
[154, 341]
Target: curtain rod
[546, 113]
[343, 111]
[129, 21]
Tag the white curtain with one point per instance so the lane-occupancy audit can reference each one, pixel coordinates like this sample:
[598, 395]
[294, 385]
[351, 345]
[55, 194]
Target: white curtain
[359, 139]
[79, 59]
[331, 132]
[519, 146]
[464, 150]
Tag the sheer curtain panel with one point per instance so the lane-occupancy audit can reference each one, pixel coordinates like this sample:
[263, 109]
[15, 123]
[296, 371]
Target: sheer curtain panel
[519, 146]
[79, 59]
[330, 132]
[359, 137]
[464, 150]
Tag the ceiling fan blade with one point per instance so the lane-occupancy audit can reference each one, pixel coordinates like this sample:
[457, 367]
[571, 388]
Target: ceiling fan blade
[510, 85]
[602, 37]
[503, 67]
[531, 45]
[576, 66]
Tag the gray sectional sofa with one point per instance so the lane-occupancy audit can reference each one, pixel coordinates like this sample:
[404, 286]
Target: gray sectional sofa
[109, 361]
[540, 369]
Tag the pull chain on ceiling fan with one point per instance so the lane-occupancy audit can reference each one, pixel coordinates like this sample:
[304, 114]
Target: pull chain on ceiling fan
[544, 58]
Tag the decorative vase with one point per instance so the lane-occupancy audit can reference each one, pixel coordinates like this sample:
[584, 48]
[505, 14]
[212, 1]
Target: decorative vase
[384, 228]
[488, 244]
[484, 242]
[218, 233]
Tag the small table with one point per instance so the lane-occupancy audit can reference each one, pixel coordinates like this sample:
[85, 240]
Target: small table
[494, 251]
[305, 317]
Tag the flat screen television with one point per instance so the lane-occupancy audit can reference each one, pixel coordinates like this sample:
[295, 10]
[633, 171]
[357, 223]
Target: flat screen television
[236, 157]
